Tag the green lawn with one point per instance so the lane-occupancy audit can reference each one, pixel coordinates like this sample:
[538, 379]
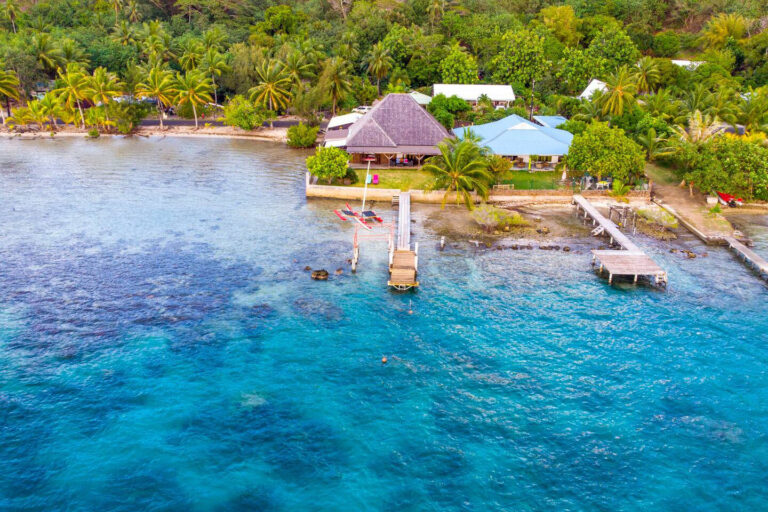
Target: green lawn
[661, 175]
[402, 179]
[415, 179]
[524, 180]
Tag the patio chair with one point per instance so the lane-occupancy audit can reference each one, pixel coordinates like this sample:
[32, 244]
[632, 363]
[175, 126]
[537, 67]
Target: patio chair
[375, 179]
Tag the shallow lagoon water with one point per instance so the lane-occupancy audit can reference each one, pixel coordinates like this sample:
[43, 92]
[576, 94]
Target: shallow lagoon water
[162, 348]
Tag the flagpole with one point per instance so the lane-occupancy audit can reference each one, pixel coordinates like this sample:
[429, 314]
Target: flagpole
[365, 188]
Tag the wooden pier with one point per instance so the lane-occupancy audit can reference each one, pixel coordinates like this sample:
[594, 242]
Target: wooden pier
[631, 261]
[403, 262]
[748, 255]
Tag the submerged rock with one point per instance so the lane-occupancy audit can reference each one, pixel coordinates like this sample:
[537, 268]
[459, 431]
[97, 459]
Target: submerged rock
[320, 275]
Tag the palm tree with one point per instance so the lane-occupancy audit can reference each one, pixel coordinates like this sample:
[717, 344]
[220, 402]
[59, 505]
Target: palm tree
[193, 88]
[45, 51]
[620, 92]
[118, 5]
[654, 145]
[298, 67]
[71, 53]
[753, 110]
[697, 98]
[347, 48]
[619, 191]
[9, 89]
[723, 104]
[214, 64]
[336, 80]
[75, 87]
[272, 89]
[159, 85]
[124, 34]
[51, 107]
[132, 10]
[378, 62]
[103, 87]
[36, 114]
[11, 12]
[460, 167]
[435, 10]
[591, 109]
[700, 128]
[721, 27]
[214, 39]
[663, 105]
[646, 75]
[192, 53]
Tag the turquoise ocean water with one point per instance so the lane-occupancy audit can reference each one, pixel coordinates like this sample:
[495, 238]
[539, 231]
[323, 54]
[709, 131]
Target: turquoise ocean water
[162, 348]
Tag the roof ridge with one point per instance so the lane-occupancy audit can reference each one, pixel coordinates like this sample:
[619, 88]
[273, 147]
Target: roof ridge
[382, 130]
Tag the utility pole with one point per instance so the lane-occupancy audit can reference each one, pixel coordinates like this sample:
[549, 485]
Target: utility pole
[533, 84]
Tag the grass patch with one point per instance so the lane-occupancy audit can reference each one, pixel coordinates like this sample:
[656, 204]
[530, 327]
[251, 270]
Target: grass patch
[660, 174]
[401, 179]
[524, 180]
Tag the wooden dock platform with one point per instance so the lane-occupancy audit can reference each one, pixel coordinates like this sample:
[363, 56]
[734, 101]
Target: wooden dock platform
[748, 255]
[631, 261]
[403, 262]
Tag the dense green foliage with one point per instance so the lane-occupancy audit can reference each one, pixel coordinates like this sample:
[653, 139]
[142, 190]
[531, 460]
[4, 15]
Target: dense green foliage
[242, 113]
[328, 163]
[78, 58]
[302, 135]
[605, 151]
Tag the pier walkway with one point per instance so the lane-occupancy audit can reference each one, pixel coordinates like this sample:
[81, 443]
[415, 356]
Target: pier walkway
[631, 261]
[403, 262]
[748, 255]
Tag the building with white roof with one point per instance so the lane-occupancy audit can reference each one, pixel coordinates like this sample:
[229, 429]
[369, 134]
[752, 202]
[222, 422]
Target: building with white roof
[343, 121]
[421, 99]
[593, 86]
[690, 64]
[500, 95]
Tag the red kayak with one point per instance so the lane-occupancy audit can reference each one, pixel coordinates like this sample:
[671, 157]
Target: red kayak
[729, 200]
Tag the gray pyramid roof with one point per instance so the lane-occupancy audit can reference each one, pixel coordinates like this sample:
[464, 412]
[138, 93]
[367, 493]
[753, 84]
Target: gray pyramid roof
[397, 124]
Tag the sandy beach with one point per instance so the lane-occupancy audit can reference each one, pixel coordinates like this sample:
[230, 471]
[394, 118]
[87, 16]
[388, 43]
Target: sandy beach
[269, 134]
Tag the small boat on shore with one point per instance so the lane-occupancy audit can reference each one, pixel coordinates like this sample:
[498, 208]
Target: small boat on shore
[729, 200]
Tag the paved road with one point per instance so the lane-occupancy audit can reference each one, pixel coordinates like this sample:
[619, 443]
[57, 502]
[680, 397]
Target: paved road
[278, 123]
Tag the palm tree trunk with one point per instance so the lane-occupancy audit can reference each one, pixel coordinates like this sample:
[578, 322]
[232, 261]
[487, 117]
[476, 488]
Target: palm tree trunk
[194, 111]
[271, 121]
[8, 106]
[13, 24]
[82, 116]
[160, 114]
[215, 95]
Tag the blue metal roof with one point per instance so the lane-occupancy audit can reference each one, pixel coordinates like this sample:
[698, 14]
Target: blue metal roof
[550, 121]
[516, 136]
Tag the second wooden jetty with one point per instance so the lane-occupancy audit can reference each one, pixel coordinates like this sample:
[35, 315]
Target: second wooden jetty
[631, 261]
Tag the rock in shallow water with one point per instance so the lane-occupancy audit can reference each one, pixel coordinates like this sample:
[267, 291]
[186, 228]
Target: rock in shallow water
[320, 275]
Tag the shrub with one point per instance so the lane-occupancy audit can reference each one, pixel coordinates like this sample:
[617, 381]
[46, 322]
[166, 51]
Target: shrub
[666, 44]
[491, 218]
[242, 113]
[445, 118]
[93, 133]
[328, 163]
[302, 136]
[351, 176]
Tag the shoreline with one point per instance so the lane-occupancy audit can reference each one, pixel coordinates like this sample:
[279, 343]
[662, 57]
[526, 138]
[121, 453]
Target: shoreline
[263, 134]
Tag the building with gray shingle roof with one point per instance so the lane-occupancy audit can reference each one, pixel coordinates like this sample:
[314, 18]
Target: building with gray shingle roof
[396, 130]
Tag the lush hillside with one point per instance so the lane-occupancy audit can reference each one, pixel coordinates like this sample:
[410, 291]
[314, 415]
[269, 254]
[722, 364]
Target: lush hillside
[310, 57]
